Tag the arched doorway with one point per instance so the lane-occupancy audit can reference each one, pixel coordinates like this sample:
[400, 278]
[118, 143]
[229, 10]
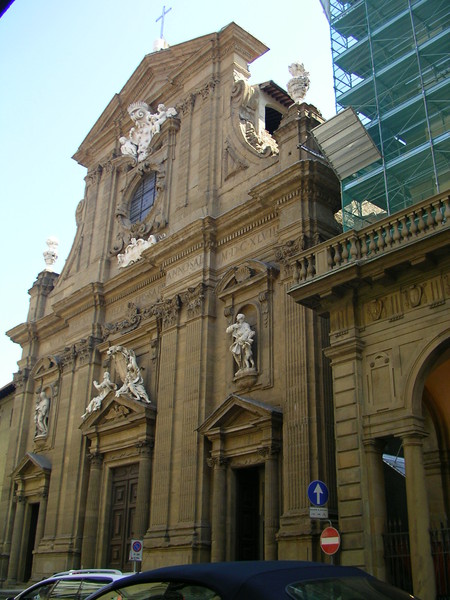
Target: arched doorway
[424, 448]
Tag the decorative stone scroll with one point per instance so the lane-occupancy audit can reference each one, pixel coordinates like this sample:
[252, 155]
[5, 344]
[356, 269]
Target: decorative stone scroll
[135, 248]
[298, 86]
[146, 125]
[246, 99]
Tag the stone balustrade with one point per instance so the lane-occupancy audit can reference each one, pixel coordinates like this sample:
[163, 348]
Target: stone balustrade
[387, 235]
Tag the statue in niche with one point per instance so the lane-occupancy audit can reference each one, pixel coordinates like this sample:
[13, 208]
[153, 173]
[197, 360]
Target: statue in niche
[103, 388]
[241, 348]
[41, 415]
[127, 367]
[299, 84]
[146, 125]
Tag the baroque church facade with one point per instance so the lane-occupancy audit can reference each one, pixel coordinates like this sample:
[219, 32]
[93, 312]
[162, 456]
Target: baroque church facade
[170, 390]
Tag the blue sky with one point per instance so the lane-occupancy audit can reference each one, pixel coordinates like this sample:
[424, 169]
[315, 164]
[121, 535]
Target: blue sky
[61, 63]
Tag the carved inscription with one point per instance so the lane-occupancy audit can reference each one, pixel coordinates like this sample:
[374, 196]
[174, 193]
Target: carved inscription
[246, 246]
[193, 265]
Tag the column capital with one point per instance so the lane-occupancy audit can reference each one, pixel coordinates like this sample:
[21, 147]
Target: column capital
[43, 493]
[217, 462]
[344, 350]
[19, 497]
[269, 451]
[373, 445]
[95, 458]
[413, 438]
[145, 448]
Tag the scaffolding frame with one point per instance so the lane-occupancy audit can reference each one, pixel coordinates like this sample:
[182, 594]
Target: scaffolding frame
[391, 64]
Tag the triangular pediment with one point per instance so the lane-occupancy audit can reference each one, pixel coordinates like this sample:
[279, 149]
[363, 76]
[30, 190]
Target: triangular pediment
[238, 412]
[161, 77]
[32, 465]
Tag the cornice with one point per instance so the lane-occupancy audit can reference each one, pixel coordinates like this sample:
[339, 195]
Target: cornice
[33, 330]
[308, 176]
[89, 296]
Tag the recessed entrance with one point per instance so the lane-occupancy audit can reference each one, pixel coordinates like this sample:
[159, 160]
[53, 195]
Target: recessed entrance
[249, 511]
[33, 519]
[124, 493]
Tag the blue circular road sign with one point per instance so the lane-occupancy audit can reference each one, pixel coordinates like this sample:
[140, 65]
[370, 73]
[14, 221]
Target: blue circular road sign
[318, 493]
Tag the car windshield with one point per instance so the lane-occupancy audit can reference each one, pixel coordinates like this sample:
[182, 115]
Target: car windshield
[346, 588]
[156, 590]
[65, 589]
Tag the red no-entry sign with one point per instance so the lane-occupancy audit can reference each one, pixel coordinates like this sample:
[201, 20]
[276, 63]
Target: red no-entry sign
[330, 540]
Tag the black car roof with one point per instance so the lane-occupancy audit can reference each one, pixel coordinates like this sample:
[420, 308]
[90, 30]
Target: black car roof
[236, 579]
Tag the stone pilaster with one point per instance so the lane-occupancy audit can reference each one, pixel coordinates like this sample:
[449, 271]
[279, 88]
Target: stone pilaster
[41, 518]
[271, 503]
[189, 437]
[376, 515]
[163, 458]
[15, 554]
[219, 508]
[346, 361]
[424, 585]
[295, 524]
[142, 513]
[88, 550]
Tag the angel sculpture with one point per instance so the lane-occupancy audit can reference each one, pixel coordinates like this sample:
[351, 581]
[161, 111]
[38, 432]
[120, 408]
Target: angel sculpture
[103, 388]
[127, 367]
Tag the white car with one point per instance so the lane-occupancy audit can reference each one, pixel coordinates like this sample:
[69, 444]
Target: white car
[76, 584]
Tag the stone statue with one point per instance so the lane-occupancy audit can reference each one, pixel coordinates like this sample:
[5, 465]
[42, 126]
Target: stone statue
[241, 348]
[145, 126]
[133, 383]
[41, 414]
[51, 254]
[134, 250]
[162, 114]
[299, 84]
[103, 388]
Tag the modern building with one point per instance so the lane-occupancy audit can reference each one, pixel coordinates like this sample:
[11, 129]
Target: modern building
[384, 285]
[391, 64]
[138, 411]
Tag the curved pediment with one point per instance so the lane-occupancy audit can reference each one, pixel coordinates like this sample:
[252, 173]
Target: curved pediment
[247, 273]
[45, 365]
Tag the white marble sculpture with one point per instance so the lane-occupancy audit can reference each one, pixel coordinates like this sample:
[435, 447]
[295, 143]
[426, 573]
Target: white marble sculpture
[127, 367]
[51, 254]
[103, 388]
[134, 250]
[241, 348]
[299, 84]
[146, 125]
[41, 415]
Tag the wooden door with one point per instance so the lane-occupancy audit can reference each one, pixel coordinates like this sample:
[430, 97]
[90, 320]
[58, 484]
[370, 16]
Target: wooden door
[124, 491]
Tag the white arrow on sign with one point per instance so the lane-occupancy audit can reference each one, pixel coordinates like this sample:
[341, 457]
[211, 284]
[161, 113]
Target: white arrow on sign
[318, 491]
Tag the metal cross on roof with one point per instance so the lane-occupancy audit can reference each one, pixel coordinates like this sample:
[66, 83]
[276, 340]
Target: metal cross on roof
[161, 18]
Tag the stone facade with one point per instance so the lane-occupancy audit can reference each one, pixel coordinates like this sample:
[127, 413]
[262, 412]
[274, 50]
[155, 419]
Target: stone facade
[386, 292]
[208, 449]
